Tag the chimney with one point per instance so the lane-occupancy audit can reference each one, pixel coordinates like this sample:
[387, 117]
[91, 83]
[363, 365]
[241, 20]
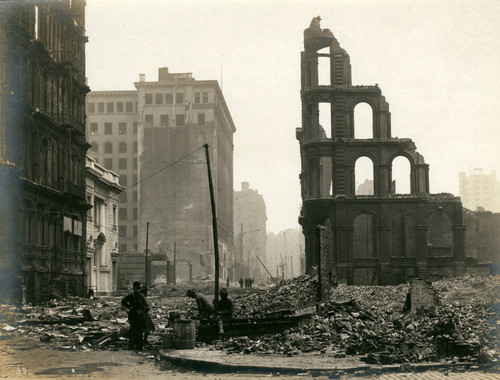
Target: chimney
[245, 186]
[162, 73]
[142, 77]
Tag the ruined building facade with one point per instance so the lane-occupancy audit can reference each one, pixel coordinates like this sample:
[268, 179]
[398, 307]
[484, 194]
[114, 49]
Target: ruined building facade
[42, 152]
[383, 238]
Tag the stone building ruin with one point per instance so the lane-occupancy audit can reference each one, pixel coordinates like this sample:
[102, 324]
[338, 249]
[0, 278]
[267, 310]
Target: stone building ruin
[384, 238]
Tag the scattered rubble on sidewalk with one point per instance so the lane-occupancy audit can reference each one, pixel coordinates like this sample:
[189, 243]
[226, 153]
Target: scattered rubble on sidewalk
[357, 320]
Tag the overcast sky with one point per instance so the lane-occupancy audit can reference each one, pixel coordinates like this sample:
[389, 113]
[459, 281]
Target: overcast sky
[436, 62]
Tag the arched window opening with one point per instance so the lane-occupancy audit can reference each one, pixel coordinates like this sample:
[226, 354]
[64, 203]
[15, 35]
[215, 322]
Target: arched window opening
[363, 121]
[324, 68]
[122, 147]
[439, 236]
[108, 148]
[325, 176]
[363, 173]
[325, 120]
[401, 171]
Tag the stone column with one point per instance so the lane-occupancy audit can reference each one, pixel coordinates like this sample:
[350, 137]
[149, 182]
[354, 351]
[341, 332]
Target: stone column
[323, 265]
[385, 255]
[422, 250]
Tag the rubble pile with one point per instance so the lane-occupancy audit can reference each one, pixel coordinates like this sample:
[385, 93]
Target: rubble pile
[369, 321]
[289, 294]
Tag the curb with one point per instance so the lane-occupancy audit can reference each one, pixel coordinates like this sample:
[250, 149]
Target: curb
[206, 365]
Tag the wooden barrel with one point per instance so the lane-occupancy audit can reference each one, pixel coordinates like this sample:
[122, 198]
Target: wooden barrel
[185, 333]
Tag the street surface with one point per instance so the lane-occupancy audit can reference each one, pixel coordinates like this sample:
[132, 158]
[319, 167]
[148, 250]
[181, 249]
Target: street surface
[22, 357]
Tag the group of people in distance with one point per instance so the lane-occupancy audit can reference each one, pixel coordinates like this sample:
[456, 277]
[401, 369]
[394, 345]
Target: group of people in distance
[141, 323]
[248, 282]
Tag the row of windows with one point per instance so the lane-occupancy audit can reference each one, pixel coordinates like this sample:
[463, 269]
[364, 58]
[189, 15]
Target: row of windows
[179, 120]
[122, 213]
[122, 165]
[108, 128]
[122, 231]
[108, 148]
[179, 98]
[109, 107]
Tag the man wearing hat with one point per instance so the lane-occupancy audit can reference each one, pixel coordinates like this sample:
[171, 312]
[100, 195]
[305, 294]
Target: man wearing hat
[137, 305]
[224, 309]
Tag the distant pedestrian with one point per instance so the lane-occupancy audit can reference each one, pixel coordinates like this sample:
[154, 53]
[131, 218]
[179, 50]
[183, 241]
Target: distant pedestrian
[246, 282]
[241, 283]
[227, 282]
[136, 304]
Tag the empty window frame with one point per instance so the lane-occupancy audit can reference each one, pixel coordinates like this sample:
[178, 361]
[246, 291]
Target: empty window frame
[108, 128]
[164, 120]
[122, 128]
[94, 129]
[158, 98]
[149, 99]
[110, 107]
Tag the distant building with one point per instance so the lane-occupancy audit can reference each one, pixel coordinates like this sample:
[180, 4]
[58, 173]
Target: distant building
[477, 189]
[482, 235]
[42, 148]
[285, 253]
[102, 228]
[250, 220]
[138, 133]
[365, 188]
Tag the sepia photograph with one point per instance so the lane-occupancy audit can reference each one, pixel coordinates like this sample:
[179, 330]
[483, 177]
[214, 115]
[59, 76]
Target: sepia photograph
[250, 189]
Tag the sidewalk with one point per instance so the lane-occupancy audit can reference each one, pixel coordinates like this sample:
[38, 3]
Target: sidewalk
[204, 359]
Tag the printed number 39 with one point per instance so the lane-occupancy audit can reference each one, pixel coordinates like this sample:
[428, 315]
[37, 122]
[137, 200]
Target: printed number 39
[21, 371]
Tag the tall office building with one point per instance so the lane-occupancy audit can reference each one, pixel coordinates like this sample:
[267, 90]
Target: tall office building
[42, 148]
[478, 189]
[250, 231]
[155, 136]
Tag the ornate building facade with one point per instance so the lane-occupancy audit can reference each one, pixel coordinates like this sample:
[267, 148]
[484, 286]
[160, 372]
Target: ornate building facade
[384, 238]
[42, 153]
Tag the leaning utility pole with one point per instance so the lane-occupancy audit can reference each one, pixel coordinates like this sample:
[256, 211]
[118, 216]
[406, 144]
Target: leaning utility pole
[214, 226]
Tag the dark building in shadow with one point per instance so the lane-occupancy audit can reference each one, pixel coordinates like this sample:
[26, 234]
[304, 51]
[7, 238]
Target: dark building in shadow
[42, 151]
[384, 238]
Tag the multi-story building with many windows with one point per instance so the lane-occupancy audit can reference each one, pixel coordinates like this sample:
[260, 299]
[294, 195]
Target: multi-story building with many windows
[138, 134]
[478, 189]
[42, 148]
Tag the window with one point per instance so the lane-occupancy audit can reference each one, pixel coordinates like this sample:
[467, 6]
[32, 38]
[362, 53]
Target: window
[122, 231]
[97, 210]
[179, 98]
[108, 163]
[205, 97]
[94, 148]
[201, 118]
[108, 128]
[197, 97]
[110, 107]
[149, 98]
[134, 212]
[114, 216]
[179, 120]
[122, 148]
[93, 129]
[122, 213]
[119, 106]
[91, 107]
[129, 107]
[169, 98]
[122, 165]
[149, 120]
[108, 148]
[100, 107]
[134, 231]
[123, 197]
[135, 128]
[122, 128]
[123, 179]
[159, 99]
[164, 120]
[135, 247]
[123, 248]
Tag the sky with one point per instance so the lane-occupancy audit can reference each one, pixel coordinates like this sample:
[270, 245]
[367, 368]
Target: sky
[436, 62]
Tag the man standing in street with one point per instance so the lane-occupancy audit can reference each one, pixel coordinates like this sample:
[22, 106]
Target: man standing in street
[136, 305]
[224, 310]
